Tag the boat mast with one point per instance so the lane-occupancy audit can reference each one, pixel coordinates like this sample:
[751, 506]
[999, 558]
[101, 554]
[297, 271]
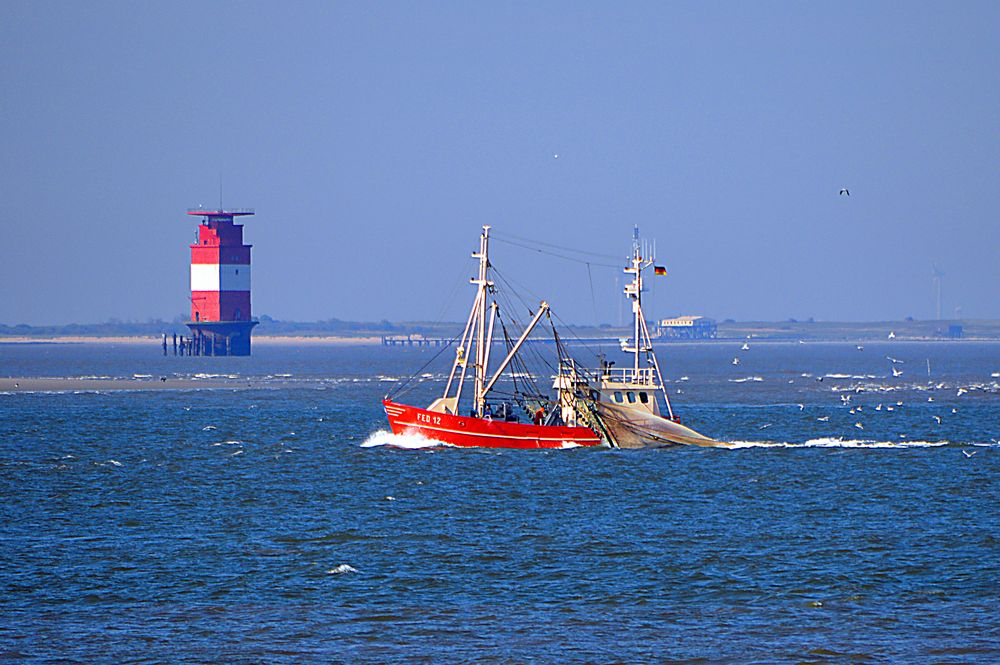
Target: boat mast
[475, 333]
[482, 353]
[642, 342]
[633, 291]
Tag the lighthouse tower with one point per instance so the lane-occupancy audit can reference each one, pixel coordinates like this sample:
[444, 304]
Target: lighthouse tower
[220, 285]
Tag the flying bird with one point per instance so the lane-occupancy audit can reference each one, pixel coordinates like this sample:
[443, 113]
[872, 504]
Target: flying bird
[937, 418]
[894, 361]
[843, 191]
[968, 454]
[961, 391]
[736, 361]
[892, 334]
[745, 347]
[823, 419]
[896, 372]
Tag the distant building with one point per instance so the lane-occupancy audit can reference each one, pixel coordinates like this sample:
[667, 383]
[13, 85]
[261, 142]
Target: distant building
[688, 327]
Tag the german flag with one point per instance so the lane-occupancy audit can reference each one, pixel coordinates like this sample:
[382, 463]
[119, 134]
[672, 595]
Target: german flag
[659, 270]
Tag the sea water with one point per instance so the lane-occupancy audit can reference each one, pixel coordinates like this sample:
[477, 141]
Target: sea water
[283, 523]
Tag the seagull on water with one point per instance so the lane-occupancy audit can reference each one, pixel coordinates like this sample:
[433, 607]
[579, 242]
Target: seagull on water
[892, 334]
[736, 361]
[859, 425]
[968, 454]
[961, 391]
[745, 347]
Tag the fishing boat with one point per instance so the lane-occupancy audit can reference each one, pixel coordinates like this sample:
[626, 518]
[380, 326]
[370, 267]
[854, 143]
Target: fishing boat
[518, 417]
[628, 400]
[612, 407]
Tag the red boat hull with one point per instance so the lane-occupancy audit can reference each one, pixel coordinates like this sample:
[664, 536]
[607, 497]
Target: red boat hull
[469, 432]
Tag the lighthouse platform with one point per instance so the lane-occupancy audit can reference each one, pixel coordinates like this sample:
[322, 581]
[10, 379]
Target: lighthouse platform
[220, 338]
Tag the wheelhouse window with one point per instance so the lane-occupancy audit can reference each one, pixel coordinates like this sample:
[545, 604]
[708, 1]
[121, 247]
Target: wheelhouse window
[644, 398]
[631, 397]
[618, 396]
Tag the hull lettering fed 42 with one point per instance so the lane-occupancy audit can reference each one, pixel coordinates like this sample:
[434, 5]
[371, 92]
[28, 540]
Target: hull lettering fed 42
[503, 405]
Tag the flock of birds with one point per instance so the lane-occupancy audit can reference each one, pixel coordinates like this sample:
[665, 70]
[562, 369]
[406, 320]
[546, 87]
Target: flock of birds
[845, 398]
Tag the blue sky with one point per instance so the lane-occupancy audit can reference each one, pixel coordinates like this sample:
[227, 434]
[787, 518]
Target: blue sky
[374, 139]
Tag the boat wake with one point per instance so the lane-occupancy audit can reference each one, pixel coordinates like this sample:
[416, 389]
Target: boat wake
[839, 442]
[408, 441]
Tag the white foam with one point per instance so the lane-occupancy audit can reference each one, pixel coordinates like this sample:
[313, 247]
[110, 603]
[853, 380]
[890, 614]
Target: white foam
[838, 442]
[754, 379]
[409, 441]
[342, 569]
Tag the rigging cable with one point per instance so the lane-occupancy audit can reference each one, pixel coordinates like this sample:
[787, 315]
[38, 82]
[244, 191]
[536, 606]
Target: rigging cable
[558, 255]
[533, 242]
[398, 389]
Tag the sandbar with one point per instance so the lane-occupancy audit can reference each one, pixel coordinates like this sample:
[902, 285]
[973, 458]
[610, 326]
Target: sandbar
[73, 384]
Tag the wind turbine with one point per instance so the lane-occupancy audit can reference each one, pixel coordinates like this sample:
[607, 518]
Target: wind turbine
[936, 275]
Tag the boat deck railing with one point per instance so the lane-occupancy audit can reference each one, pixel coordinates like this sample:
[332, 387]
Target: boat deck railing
[644, 377]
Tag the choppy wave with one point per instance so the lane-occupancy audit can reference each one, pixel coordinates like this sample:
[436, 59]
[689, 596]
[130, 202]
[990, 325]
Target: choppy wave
[409, 441]
[745, 379]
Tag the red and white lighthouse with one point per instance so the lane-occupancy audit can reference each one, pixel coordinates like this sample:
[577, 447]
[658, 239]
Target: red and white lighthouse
[220, 285]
